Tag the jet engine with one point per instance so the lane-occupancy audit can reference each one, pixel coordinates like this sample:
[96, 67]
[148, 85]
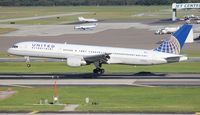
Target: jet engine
[76, 61]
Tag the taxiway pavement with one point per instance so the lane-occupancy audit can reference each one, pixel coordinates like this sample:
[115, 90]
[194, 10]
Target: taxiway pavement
[57, 30]
[103, 82]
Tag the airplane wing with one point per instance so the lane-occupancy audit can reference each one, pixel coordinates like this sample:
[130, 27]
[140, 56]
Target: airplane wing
[102, 58]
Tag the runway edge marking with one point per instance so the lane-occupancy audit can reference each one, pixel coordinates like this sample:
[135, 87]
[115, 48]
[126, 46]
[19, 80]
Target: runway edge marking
[34, 112]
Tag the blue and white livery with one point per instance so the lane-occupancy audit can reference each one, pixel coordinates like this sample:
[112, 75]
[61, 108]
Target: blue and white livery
[176, 41]
[78, 55]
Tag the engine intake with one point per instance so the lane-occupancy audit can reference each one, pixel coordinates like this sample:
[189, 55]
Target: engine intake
[76, 61]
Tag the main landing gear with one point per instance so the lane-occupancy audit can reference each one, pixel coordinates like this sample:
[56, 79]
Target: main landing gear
[28, 64]
[98, 69]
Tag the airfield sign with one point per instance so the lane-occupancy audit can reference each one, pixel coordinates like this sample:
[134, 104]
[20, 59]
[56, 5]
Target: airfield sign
[176, 6]
[185, 5]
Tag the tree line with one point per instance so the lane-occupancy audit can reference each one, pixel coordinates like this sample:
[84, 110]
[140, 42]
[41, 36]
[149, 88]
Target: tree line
[89, 2]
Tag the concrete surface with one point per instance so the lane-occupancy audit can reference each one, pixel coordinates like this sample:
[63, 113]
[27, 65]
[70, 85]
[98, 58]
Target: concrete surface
[101, 82]
[56, 30]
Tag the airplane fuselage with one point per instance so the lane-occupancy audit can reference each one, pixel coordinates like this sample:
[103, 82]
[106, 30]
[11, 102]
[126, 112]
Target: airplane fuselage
[85, 27]
[117, 55]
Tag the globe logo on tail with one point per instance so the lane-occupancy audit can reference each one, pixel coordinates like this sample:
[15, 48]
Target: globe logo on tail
[176, 42]
[169, 46]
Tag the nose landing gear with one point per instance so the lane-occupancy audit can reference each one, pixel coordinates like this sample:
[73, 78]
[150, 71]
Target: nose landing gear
[28, 64]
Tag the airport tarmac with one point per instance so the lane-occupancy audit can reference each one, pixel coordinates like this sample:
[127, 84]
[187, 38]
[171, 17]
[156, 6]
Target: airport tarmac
[104, 80]
[56, 30]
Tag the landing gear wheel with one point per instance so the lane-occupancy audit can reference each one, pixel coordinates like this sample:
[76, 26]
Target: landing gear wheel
[98, 71]
[28, 65]
[102, 71]
[95, 71]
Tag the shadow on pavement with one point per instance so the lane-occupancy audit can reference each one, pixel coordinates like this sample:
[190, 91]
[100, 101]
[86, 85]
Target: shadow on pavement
[140, 75]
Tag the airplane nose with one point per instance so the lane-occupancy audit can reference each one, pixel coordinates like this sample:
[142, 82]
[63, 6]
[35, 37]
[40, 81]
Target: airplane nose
[10, 50]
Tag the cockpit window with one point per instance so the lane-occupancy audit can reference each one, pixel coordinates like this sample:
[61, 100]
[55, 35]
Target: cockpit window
[14, 46]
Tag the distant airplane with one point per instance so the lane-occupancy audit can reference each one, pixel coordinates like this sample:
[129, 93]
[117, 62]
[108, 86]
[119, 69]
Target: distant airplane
[79, 55]
[190, 17]
[167, 30]
[81, 19]
[198, 21]
[85, 27]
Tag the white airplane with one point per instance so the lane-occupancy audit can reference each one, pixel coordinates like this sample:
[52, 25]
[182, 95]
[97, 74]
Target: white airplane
[81, 19]
[79, 55]
[85, 27]
[198, 21]
[167, 30]
[192, 17]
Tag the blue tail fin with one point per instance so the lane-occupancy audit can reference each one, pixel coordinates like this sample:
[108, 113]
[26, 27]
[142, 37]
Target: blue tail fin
[176, 41]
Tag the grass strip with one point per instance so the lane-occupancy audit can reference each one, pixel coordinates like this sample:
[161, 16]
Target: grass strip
[7, 30]
[107, 98]
[61, 67]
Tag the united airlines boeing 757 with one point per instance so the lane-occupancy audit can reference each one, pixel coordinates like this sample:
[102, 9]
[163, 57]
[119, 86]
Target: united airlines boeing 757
[79, 55]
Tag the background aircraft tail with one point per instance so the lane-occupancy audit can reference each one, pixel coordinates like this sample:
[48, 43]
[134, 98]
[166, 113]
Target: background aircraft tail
[176, 42]
[80, 18]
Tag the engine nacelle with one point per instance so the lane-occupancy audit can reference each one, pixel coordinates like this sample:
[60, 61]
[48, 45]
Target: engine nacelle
[76, 61]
